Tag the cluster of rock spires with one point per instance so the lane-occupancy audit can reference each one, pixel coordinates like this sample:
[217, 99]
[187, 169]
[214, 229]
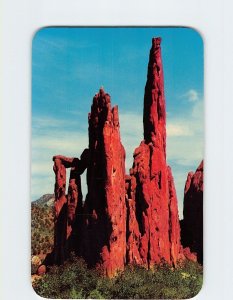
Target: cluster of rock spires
[126, 218]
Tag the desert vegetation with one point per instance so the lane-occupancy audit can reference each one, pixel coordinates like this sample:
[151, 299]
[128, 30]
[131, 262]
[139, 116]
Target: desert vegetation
[75, 281]
[42, 228]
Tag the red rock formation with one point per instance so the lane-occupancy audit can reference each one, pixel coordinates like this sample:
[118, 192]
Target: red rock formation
[60, 221]
[41, 270]
[73, 196]
[154, 192]
[133, 235]
[60, 184]
[189, 255]
[174, 224]
[105, 202]
[192, 224]
[126, 219]
[68, 209]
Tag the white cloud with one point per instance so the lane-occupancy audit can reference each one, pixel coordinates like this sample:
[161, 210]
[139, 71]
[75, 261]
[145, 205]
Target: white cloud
[176, 128]
[62, 142]
[186, 147]
[192, 95]
[198, 111]
[41, 167]
[47, 124]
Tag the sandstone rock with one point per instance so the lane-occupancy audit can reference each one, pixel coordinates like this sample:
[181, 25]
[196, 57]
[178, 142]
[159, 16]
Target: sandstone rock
[133, 235]
[60, 184]
[74, 212]
[192, 224]
[189, 255]
[154, 114]
[174, 225]
[41, 270]
[105, 203]
[68, 208]
[154, 195]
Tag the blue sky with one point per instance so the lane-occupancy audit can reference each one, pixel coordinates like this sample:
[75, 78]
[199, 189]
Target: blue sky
[70, 64]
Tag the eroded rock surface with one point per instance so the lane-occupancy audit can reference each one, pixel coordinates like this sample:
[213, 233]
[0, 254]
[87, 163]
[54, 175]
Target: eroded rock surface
[154, 196]
[192, 223]
[105, 206]
[68, 208]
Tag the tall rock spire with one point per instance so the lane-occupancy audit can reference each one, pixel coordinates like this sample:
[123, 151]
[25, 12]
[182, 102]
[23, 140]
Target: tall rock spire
[105, 202]
[154, 115]
[154, 198]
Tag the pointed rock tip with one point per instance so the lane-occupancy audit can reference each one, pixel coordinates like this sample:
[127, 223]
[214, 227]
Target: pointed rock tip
[101, 90]
[201, 166]
[156, 41]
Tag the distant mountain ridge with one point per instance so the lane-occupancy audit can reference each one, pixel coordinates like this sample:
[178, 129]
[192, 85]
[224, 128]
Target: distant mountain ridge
[46, 199]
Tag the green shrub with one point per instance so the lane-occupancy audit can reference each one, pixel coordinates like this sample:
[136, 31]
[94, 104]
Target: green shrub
[74, 280]
[42, 229]
[95, 294]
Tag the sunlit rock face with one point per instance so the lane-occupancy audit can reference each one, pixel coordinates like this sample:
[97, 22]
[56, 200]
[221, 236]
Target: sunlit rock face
[154, 201]
[68, 208]
[105, 206]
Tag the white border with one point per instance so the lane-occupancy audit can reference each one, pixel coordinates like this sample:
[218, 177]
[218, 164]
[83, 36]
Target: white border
[21, 19]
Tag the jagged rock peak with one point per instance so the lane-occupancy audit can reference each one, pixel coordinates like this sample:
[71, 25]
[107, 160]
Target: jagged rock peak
[102, 112]
[154, 115]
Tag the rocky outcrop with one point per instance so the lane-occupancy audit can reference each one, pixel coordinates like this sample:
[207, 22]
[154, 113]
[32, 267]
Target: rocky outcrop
[68, 208]
[192, 224]
[153, 196]
[105, 202]
[125, 219]
[133, 235]
[176, 251]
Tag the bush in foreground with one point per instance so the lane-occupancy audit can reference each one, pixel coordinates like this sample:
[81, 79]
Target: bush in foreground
[74, 280]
